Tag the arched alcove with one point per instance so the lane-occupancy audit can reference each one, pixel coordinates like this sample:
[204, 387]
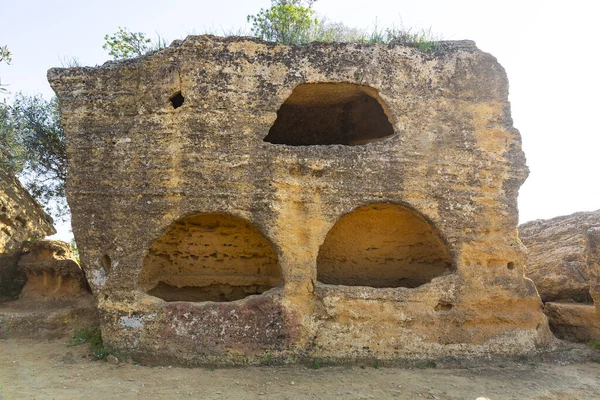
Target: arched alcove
[210, 257]
[331, 113]
[382, 245]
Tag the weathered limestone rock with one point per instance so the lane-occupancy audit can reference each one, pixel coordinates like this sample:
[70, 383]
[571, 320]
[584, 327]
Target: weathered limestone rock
[564, 263]
[233, 197]
[564, 255]
[573, 321]
[52, 273]
[21, 219]
[56, 298]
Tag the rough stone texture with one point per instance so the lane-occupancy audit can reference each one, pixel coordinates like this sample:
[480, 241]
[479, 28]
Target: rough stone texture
[142, 163]
[573, 321]
[233, 261]
[564, 263]
[564, 255]
[52, 273]
[56, 298]
[21, 219]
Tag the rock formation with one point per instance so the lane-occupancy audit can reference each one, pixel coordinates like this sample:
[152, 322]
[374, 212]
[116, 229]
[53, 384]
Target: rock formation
[21, 220]
[52, 273]
[564, 263]
[234, 198]
[563, 255]
[56, 298]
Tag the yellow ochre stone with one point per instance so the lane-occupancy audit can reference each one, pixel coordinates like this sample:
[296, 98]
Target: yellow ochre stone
[234, 198]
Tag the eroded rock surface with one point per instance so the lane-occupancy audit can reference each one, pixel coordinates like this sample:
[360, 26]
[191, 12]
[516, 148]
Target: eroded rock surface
[21, 219]
[564, 255]
[573, 321]
[218, 168]
[56, 299]
[52, 273]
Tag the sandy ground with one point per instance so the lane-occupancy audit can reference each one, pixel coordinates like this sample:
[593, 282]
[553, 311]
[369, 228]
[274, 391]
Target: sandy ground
[50, 370]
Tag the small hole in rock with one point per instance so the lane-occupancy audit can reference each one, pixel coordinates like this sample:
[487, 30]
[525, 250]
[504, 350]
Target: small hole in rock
[106, 263]
[177, 100]
[443, 306]
[510, 265]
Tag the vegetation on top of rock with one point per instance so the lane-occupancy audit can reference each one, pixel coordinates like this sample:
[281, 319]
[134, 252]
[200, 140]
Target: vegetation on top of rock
[287, 22]
[294, 22]
[126, 44]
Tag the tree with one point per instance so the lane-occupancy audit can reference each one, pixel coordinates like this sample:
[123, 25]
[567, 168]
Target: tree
[5, 56]
[126, 44]
[286, 21]
[32, 144]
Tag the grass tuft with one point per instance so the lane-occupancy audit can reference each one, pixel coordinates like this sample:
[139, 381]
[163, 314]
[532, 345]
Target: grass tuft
[594, 344]
[427, 364]
[93, 337]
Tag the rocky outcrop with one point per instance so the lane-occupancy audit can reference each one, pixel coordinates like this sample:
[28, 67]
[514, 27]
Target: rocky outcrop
[52, 273]
[564, 255]
[573, 321]
[56, 299]
[22, 219]
[564, 263]
[234, 198]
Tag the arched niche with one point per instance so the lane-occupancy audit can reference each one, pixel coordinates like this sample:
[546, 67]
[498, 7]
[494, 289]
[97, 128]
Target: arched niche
[210, 257]
[382, 245]
[331, 113]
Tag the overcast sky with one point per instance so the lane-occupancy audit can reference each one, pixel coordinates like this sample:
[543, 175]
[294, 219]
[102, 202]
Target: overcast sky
[549, 49]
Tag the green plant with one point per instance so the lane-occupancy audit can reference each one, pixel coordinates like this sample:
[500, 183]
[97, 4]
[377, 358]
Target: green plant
[316, 364]
[126, 44]
[69, 62]
[5, 56]
[33, 145]
[100, 354]
[267, 359]
[423, 39]
[426, 364]
[286, 21]
[75, 251]
[595, 344]
[93, 337]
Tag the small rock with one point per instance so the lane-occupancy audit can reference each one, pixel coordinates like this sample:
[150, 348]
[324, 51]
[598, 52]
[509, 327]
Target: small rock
[292, 383]
[112, 359]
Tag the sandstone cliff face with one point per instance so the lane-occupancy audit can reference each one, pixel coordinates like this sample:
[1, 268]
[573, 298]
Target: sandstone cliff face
[564, 263]
[21, 219]
[564, 255]
[219, 189]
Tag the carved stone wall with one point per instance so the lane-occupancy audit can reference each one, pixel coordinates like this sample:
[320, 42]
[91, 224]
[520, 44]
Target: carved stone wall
[287, 146]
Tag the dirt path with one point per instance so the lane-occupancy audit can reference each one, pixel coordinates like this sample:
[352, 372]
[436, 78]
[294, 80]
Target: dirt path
[33, 370]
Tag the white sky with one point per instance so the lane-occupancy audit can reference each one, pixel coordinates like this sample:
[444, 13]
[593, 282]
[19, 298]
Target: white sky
[549, 49]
